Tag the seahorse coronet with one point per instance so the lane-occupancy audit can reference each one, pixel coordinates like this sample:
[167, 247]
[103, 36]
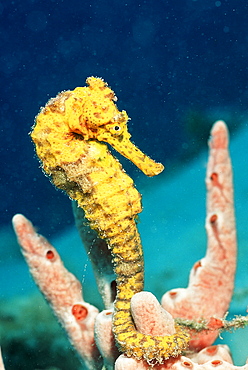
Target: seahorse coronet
[70, 133]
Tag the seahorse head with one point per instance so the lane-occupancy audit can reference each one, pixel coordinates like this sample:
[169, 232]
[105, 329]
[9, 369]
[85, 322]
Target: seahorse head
[101, 120]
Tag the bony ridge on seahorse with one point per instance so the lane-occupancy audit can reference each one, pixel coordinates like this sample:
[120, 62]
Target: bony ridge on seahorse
[69, 135]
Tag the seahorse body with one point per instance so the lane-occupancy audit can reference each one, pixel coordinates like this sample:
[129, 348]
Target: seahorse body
[69, 134]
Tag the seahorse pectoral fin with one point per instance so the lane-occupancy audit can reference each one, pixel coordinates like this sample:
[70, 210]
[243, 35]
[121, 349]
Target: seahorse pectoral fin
[126, 148]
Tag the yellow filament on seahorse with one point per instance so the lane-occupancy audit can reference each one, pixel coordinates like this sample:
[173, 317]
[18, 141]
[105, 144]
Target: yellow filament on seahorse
[69, 134]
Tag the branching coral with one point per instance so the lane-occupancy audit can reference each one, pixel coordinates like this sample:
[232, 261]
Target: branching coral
[213, 276]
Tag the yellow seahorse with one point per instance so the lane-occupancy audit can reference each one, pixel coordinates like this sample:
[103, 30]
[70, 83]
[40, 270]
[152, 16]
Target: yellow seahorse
[69, 134]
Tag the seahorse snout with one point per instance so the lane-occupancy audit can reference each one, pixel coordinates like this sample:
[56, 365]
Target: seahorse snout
[123, 145]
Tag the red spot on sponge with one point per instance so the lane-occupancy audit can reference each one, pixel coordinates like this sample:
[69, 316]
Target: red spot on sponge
[197, 264]
[216, 362]
[214, 177]
[49, 255]
[213, 219]
[79, 312]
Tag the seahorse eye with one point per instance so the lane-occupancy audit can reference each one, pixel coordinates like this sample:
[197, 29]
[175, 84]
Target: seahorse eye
[114, 128]
[117, 130]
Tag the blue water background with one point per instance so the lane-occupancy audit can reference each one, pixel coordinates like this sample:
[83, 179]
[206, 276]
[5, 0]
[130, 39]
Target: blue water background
[176, 66]
[167, 61]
